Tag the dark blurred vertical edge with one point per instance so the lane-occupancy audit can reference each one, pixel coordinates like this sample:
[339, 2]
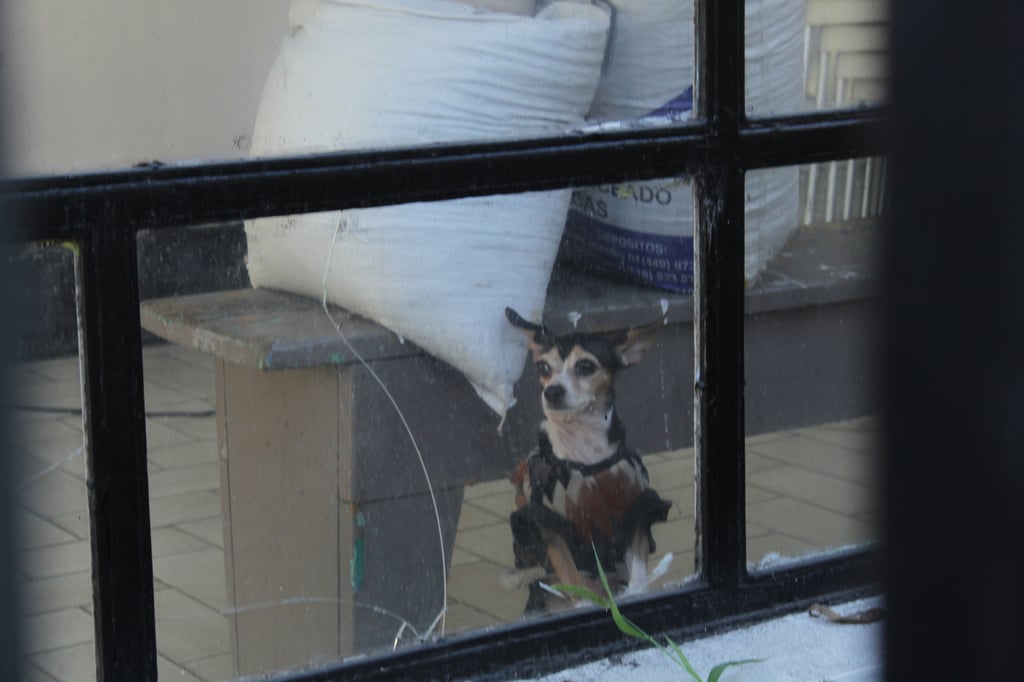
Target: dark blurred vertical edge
[9, 607]
[954, 343]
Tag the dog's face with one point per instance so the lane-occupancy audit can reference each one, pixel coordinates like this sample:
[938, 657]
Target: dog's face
[573, 376]
[577, 370]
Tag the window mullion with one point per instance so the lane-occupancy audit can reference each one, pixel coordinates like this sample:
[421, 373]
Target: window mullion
[718, 331]
[115, 428]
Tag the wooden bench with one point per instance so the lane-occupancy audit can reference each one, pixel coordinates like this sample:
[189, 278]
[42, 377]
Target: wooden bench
[328, 524]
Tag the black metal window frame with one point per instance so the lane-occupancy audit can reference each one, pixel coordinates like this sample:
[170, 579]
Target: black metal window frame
[102, 213]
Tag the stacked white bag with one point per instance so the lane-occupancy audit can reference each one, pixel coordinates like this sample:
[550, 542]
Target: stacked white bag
[361, 74]
[776, 31]
[643, 230]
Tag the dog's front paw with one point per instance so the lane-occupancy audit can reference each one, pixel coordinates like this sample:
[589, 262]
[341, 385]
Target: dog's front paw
[515, 579]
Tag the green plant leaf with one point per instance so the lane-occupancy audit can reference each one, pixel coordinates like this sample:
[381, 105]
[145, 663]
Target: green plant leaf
[625, 625]
[628, 627]
[682, 661]
[582, 593]
[717, 671]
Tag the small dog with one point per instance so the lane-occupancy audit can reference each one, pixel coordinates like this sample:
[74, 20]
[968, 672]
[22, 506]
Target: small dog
[582, 489]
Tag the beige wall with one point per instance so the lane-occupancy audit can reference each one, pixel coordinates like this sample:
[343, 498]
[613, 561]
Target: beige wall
[109, 83]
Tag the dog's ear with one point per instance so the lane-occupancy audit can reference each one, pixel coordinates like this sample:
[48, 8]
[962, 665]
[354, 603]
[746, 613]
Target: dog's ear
[536, 336]
[631, 348]
[524, 326]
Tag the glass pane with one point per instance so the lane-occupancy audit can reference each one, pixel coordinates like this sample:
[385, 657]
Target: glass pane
[193, 637]
[186, 507]
[51, 499]
[815, 54]
[811, 409]
[324, 485]
[150, 81]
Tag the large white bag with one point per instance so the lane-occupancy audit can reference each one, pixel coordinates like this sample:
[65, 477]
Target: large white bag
[643, 230]
[363, 74]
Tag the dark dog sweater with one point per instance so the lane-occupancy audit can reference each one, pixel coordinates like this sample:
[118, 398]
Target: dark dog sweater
[590, 506]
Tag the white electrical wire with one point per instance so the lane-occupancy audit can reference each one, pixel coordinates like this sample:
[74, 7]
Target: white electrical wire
[412, 439]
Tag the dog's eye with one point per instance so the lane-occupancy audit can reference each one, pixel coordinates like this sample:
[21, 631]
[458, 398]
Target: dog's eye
[585, 368]
[543, 368]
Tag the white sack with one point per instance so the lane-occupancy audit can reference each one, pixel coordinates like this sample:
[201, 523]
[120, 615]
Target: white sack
[644, 230]
[775, 77]
[370, 74]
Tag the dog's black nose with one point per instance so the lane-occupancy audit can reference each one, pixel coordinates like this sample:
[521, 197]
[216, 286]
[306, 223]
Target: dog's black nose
[554, 394]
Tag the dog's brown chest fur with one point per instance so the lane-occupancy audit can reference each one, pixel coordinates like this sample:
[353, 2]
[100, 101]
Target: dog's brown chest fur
[590, 501]
[600, 501]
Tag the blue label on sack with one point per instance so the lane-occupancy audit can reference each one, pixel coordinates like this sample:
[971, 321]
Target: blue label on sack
[663, 261]
[679, 106]
[658, 260]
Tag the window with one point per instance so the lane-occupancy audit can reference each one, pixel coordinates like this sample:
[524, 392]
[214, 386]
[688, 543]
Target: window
[731, 139]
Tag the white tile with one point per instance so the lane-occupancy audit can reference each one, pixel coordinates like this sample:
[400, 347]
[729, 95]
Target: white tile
[75, 522]
[69, 664]
[754, 530]
[818, 456]
[199, 428]
[53, 494]
[175, 509]
[189, 356]
[198, 574]
[463, 617]
[172, 605]
[682, 500]
[198, 638]
[769, 437]
[472, 516]
[51, 440]
[66, 396]
[478, 585]
[169, 671]
[183, 377]
[180, 480]
[189, 630]
[68, 591]
[183, 454]
[34, 531]
[864, 440]
[832, 493]
[43, 562]
[775, 544]
[672, 473]
[755, 494]
[755, 462]
[26, 468]
[500, 503]
[461, 557]
[29, 672]
[674, 536]
[816, 526]
[493, 543]
[211, 530]
[215, 668]
[59, 370]
[159, 435]
[162, 399]
[170, 541]
[499, 486]
[56, 630]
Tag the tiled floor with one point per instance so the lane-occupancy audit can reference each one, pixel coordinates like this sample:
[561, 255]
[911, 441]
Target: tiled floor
[807, 490]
